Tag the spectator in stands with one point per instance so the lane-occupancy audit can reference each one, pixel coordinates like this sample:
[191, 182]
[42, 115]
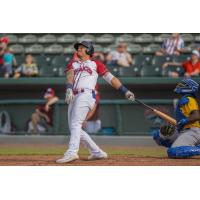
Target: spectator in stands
[9, 62]
[191, 67]
[28, 69]
[42, 118]
[3, 45]
[172, 46]
[120, 56]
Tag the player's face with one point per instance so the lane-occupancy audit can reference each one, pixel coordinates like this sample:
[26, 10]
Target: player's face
[81, 52]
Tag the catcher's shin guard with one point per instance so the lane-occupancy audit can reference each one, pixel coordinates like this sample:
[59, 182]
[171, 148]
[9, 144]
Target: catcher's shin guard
[183, 152]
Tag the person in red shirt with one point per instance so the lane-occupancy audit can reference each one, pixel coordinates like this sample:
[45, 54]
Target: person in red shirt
[42, 118]
[191, 67]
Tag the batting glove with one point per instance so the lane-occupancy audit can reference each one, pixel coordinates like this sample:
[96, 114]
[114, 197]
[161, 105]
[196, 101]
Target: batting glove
[130, 96]
[69, 95]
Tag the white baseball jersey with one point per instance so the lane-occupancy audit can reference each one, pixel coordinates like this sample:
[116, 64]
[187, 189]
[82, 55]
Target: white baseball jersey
[86, 73]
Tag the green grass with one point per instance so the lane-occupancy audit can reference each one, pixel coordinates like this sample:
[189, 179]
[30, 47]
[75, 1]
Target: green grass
[57, 150]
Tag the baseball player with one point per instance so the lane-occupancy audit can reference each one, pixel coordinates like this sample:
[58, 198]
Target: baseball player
[81, 75]
[183, 141]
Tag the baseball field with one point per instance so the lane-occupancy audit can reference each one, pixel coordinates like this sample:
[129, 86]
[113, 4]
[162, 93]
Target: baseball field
[46, 154]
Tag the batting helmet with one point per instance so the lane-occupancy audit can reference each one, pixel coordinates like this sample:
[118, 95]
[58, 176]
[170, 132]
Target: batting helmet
[187, 86]
[88, 45]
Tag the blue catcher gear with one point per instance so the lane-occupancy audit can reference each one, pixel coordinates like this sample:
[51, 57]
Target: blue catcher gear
[160, 141]
[183, 152]
[187, 86]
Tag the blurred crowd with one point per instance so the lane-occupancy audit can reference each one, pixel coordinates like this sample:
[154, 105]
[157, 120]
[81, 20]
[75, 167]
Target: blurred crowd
[119, 57]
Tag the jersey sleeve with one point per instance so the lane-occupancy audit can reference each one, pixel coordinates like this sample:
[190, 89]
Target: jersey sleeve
[69, 66]
[191, 105]
[101, 68]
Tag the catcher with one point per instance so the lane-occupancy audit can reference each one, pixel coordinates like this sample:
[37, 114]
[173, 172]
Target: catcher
[183, 140]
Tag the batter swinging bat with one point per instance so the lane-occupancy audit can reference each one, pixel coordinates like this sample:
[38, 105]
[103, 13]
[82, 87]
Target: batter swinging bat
[159, 113]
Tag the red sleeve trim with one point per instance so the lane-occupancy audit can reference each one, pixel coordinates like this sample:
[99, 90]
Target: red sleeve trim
[69, 66]
[101, 68]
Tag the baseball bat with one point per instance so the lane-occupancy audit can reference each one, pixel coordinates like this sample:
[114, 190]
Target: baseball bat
[159, 113]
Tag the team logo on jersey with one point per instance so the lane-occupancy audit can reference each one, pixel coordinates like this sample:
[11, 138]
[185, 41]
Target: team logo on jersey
[84, 68]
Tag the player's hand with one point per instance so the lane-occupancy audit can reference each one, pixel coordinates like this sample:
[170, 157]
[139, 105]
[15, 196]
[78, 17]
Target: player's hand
[129, 95]
[69, 96]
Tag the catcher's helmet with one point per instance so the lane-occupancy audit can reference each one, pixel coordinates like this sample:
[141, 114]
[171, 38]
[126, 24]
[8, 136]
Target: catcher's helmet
[187, 86]
[88, 45]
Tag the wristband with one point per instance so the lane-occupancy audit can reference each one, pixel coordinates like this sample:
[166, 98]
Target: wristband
[123, 89]
[69, 85]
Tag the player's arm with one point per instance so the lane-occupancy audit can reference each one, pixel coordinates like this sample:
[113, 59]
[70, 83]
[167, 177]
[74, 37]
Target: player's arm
[69, 96]
[116, 83]
[42, 115]
[194, 116]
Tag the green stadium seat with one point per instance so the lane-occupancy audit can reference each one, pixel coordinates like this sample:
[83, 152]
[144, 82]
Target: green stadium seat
[54, 49]
[20, 59]
[134, 48]
[59, 61]
[41, 61]
[125, 38]
[182, 58]
[144, 38]
[66, 39]
[48, 71]
[147, 60]
[187, 37]
[69, 49]
[27, 39]
[98, 48]
[138, 60]
[151, 49]
[13, 39]
[151, 71]
[47, 39]
[169, 69]
[131, 71]
[114, 70]
[35, 49]
[109, 48]
[197, 38]
[160, 60]
[189, 48]
[161, 38]
[17, 49]
[105, 39]
[87, 37]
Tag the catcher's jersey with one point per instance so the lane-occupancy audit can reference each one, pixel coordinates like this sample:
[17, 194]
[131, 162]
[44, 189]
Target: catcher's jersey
[186, 110]
[86, 73]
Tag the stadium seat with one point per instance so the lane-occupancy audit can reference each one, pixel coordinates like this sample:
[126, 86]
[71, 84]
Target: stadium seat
[109, 48]
[127, 71]
[147, 60]
[48, 71]
[20, 59]
[125, 38]
[54, 49]
[105, 39]
[69, 49]
[187, 37]
[151, 71]
[182, 58]
[47, 39]
[98, 48]
[161, 38]
[17, 49]
[197, 38]
[151, 49]
[134, 48]
[189, 48]
[27, 39]
[35, 49]
[13, 39]
[138, 60]
[160, 60]
[169, 69]
[59, 61]
[114, 70]
[66, 39]
[41, 61]
[144, 38]
[87, 37]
